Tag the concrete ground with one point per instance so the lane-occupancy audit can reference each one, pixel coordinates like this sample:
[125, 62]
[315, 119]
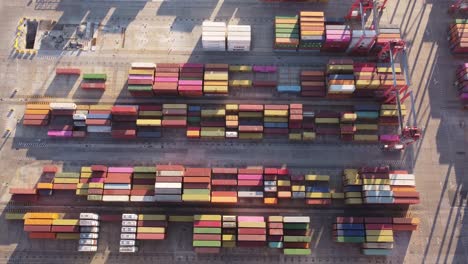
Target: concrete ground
[169, 31]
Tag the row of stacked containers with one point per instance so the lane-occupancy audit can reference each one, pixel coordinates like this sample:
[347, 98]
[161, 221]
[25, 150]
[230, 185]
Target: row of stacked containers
[176, 183]
[136, 227]
[345, 78]
[461, 83]
[244, 121]
[458, 36]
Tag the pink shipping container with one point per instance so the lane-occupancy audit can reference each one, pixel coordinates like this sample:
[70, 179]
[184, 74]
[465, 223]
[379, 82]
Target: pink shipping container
[59, 133]
[140, 77]
[190, 82]
[250, 177]
[389, 138]
[163, 79]
[120, 170]
[250, 219]
[207, 223]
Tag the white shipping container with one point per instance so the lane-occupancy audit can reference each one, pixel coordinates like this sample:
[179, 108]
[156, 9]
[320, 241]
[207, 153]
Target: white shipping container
[128, 236]
[168, 185]
[296, 219]
[403, 182]
[117, 186]
[148, 65]
[83, 222]
[271, 189]
[88, 242]
[229, 218]
[402, 177]
[99, 129]
[376, 187]
[129, 217]
[82, 248]
[170, 173]
[89, 229]
[129, 223]
[128, 229]
[231, 134]
[229, 224]
[213, 24]
[115, 198]
[146, 198]
[89, 235]
[62, 106]
[346, 88]
[298, 195]
[249, 194]
[79, 117]
[127, 242]
[128, 249]
[269, 183]
[89, 216]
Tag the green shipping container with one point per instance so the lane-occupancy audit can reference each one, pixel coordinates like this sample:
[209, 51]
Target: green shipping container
[193, 119]
[376, 252]
[197, 191]
[143, 88]
[296, 226]
[67, 175]
[297, 239]
[287, 35]
[296, 251]
[207, 230]
[461, 21]
[290, 26]
[94, 197]
[144, 175]
[206, 243]
[95, 76]
[151, 169]
[343, 239]
[287, 30]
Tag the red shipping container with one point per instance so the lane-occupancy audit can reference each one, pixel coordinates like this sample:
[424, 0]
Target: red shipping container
[318, 201]
[116, 192]
[276, 107]
[223, 194]
[250, 128]
[206, 237]
[124, 110]
[167, 65]
[275, 225]
[98, 122]
[250, 108]
[79, 134]
[197, 180]
[379, 226]
[224, 170]
[64, 186]
[223, 182]
[207, 223]
[29, 122]
[400, 227]
[296, 245]
[151, 223]
[196, 185]
[406, 201]
[257, 183]
[66, 229]
[270, 171]
[67, 71]
[24, 198]
[167, 74]
[150, 108]
[148, 236]
[41, 235]
[197, 172]
[378, 220]
[350, 220]
[250, 237]
[118, 179]
[95, 191]
[251, 231]
[174, 123]
[207, 250]
[250, 171]
[23, 191]
[140, 82]
[137, 192]
[275, 232]
[37, 228]
[128, 133]
[36, 117]
[402, 220]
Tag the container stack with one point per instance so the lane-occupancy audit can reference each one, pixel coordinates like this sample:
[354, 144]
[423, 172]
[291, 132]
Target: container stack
[250, 121]
[232, 121]
[149, 121]
[379, 236]
[238, 37]
[313, 84]
[191, 79]
[308, 124]
[327, 123]
[61, 115]
[403, 186]
[275, 119]
[352, 186]
[128, 234]
[98, 119]
[284, 184]
[174, 115]
[197, 185]
[251, 231]
[270, 183]
[166, 79]
[461, 83]
[36, 115]
[458, 36]
[367, 119]
[67, 71]
[95, 181]
[151, 227]
[216, 79]
[347, 126]
[213, 121]
[340, 78]
[214, 36]
[193, 121]
[79, 120]
[349, 230]
[66, 181]
[24, 194]
[140, 79]
[39, 225]
[367, 80]
[224, 185]
[385, 73]
[295, 121]
[168, 185]
[312, 25]
[207, 233]
[66, 229]
[362, 41]
[123, 121]
[250, 183]
[118, 184]
[229, 231]
[94, 81]
[296, 235]
[143, 182]
[337, 38]
[389, 114]
[317, 189]
[275, 232]
[298, 186]
[286, 33]
[89, 232]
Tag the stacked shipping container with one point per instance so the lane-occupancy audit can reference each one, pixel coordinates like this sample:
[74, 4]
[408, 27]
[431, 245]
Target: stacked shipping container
[197, 185]
[166, 79]
[168, 185]
[123, 121]
[149, 121]
[296, 230]
[143, 181]
[224, 185]
[461, 83]
[286, 33]
[89, 232]
[317, 191]
[458, 37]
[214, 36]
[340, 79]
[191, 79]
[94, 81]
[216, 79]
[229, 234]
[36, 115]
[337, 38]
[251, 231]
[207, 234]
[98, 119]
[313, 83]
[118, 184]
[140, 79]
[312, 30]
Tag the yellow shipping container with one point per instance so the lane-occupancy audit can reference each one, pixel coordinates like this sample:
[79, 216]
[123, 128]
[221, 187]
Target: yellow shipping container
[152, 217]
[212, 132]
[216, 76]
[367, 127]
[311, 14]
[215, 83]
[100, 107]
[86, 174]
[213, 113]
[240, 68]
[298, 188]
[193, 133]
[196, 197]
[14, 216]
[152, 230]
[141, 72]
[388, 69]
[42, 216]
[250, 135]
[82, 185]
[337, 196]
[207, 217]
[318, 195]
[44, 186]
[180, 218]
[276, 113]
[353, 182]
[376, 181]
[150, 113]
[232, 118]
[283, 183]
[391, 112]
[308, 136]
[36, 112]
[215, 89]
[368, 138]
[232, 107]
[94, 197]
[232, 124]
[313, 177]
[174, 106]
[331, 68]
[252, 224]
[284, 194]
[353, 201]
[149, 122]
[379, 238]
[379, 232]
[275, 218]
[240, 83]
[229, 244]
[30, 221]
[250, 114]
[86, 169]
[223, 199]
[327, 120]
[71, 236]
[229, 237]
[66, 180]
[81, 192]
[367, 84]
[295, 136]
[348, 117]
[353, 194]
[268, 119]
[38, 106]
[82, 107]
[351, 173]
[96, 185]
[65, 222]
[391, 107]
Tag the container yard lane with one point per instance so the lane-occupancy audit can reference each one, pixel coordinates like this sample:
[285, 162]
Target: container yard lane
[171, 32]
